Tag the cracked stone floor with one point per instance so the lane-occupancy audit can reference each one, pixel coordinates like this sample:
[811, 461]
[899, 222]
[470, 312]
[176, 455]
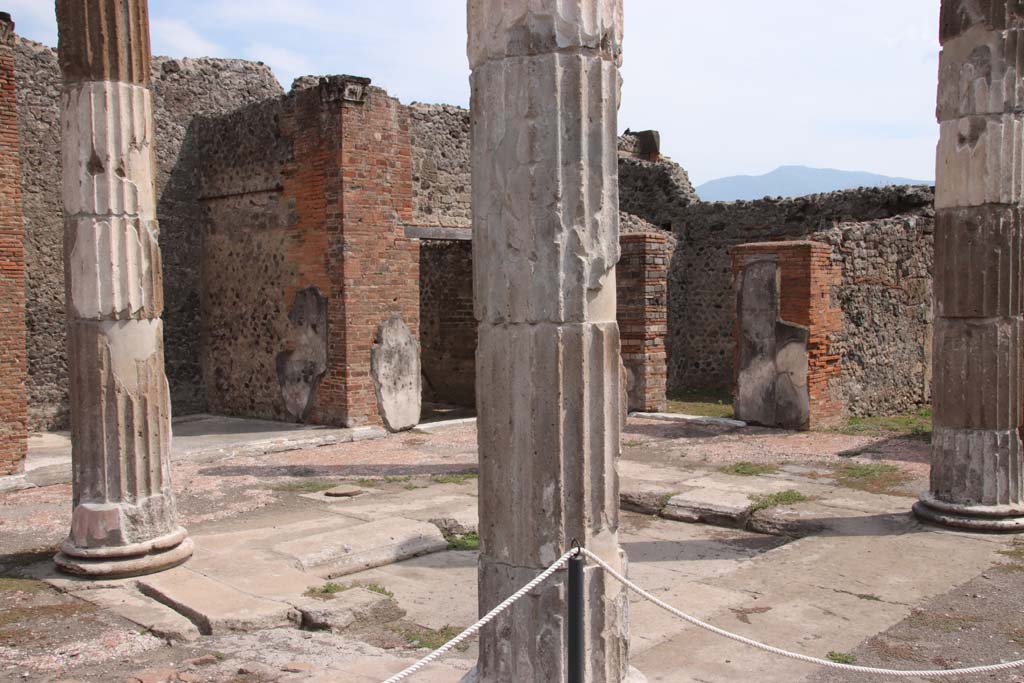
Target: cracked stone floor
[802, 540]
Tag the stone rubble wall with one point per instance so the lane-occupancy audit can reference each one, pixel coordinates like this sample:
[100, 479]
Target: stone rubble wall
[440, 165]
[182, 89]
[882, 241]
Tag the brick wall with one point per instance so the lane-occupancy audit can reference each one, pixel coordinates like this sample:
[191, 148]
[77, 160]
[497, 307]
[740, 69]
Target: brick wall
[380, 265]
[807, 276]
[642, 289]
[310, 191]
[13, 408]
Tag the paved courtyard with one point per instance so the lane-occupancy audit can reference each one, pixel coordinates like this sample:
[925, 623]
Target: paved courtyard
[342, 560]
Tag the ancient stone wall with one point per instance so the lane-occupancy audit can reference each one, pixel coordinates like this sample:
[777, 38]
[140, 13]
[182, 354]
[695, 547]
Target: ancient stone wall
[657, 191]
[182, 89]
[882, 243]
[13, 415]
[304, 254]
[440, 165]
[447, 326]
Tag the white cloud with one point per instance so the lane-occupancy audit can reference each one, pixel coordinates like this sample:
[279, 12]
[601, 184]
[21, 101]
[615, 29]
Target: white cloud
[176, 38]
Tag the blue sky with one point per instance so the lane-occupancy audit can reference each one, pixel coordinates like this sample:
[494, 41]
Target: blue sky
[735, 87]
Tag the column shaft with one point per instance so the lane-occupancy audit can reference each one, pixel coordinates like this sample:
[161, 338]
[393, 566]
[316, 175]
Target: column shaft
[124, 519]
[545, 87]
[976, 476]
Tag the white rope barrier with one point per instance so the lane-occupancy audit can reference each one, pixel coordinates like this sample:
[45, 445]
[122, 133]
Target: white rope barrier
[560, 562]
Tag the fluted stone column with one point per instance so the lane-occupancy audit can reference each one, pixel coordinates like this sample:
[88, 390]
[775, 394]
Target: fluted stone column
[978, 387]
[545, 86]
[124, 520]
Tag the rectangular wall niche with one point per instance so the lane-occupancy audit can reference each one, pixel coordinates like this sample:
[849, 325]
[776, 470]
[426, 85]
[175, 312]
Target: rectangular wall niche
[787, 371]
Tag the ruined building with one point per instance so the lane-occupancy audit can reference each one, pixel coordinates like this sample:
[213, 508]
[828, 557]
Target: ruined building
[294, 224]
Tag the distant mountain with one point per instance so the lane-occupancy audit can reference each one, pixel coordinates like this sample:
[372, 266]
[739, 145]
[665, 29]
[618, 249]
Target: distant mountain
[794, 181]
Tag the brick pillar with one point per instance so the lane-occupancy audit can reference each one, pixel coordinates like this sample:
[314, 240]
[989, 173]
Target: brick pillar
[380, 264]
[642, 286]
[806, 276]
[349, 189]
[977, 465]
[13, 404]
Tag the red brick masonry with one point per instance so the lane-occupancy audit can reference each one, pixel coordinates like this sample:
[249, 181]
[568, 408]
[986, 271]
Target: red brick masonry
[642, 290]
[13, 405]
[807, 276]
[350, 187]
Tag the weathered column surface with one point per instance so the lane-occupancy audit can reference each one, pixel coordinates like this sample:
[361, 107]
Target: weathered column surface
[545, 87]
[124, 520]
[978, 386]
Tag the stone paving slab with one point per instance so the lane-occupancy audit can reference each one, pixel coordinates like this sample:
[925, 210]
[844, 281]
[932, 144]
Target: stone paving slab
[215, 607]
[158, 619]
[362, 546]
[434, 590]
[338, 611]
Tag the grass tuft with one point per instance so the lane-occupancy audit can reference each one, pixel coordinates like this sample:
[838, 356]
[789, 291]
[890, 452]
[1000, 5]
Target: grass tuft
[872, 477]
[917, 424]
[748, 469]
[840, 657]
[429, 638]
[467, 541]
[328, 590]
[788, 497]
[454, 478]
[377, 588]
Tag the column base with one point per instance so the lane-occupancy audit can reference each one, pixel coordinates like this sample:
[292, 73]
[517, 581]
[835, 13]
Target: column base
[133, 560]
[998, 518]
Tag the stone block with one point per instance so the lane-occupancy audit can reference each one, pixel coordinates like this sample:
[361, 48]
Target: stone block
[957, 17]
[363, 546]
[979, 256]
[214, 607]
[106, 41]
[111, 126]
[978, 376]
[978, 467]
[114, 267]
[353, 606]
[978, 74]
[526, 266]
[155, 617]
[395, 363]
[574, 375]
[521, 28]
[978, 161]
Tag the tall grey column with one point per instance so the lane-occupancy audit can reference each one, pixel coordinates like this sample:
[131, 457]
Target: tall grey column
[545, 86]
[978, 387]
[124, 520]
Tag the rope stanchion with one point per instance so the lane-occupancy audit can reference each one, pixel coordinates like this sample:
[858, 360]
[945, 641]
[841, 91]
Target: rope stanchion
[578, 551]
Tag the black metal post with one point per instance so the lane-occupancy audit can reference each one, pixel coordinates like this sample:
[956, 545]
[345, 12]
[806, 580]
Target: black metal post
[575, 618]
